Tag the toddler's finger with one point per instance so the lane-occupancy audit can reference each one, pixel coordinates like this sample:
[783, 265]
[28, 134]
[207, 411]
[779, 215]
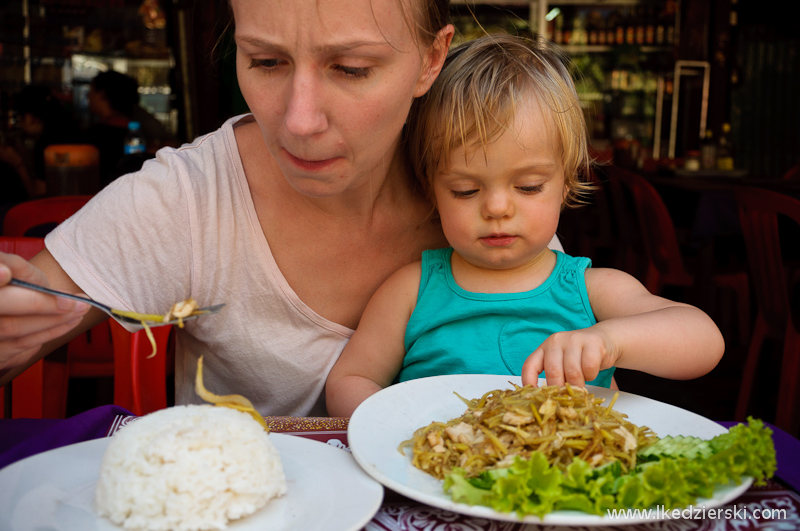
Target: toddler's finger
[554, 367]
[532, 367]
[590, 363]
[573, 366]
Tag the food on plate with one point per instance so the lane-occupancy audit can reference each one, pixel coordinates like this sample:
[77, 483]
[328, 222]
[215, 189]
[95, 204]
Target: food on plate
[190, 467]
[563, 423]
[532, 451]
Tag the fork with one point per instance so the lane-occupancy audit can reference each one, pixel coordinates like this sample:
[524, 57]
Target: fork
[133, 318]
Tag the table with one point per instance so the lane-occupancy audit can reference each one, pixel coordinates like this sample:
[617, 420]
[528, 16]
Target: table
[20, 438]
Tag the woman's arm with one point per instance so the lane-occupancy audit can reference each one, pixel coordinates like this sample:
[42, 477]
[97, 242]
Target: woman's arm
[374, 355]
[635, 330]
[33, 324]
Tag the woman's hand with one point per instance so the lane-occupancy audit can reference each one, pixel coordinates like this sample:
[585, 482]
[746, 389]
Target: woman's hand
[574, 357]
[29, 319]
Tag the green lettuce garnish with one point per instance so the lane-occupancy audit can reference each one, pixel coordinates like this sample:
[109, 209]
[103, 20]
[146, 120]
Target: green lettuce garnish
[667, 477]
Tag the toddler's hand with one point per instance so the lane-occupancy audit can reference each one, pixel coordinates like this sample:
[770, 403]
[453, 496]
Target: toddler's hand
[576, 357]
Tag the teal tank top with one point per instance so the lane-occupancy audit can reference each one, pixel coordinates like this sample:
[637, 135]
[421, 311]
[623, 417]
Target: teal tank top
[454, 331]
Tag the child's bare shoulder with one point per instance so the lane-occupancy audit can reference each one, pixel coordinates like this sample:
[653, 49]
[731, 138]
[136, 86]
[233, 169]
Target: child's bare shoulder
[405, 278]
[604, 280]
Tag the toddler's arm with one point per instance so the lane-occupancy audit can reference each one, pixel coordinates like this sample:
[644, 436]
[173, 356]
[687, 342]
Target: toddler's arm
[374, 355]
[635, 330]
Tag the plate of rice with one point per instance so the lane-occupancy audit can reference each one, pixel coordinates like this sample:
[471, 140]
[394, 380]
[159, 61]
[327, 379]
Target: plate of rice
[189, 468]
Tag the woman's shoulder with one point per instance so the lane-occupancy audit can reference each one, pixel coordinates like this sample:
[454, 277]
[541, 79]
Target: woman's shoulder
[209, 155]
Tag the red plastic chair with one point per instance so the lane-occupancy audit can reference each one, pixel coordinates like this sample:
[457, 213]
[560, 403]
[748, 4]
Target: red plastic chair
[28, 398]
[792, 174]
[760, 211]
[22, 217]
[89, 355]
[649, 249]
[648, 242]
[140, 381]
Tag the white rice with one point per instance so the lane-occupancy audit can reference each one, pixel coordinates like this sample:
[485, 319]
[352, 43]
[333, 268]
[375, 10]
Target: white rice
[188, 468]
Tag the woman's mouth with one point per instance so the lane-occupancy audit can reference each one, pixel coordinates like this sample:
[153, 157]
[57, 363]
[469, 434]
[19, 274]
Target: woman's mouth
[310, 165]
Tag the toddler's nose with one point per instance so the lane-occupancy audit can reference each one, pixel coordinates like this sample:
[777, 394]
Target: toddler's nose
[497, 205]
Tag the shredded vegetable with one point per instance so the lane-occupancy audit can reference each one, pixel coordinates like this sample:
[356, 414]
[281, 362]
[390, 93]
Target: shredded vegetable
[180, 310]
[562, 423]
[237, 402]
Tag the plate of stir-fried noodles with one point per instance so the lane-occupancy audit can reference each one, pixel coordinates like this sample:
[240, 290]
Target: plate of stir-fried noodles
[412, 436]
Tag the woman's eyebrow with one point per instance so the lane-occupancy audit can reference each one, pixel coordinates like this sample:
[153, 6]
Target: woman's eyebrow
[325, 49]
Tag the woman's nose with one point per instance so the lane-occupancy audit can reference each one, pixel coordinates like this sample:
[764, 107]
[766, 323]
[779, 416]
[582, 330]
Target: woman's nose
[305, 114]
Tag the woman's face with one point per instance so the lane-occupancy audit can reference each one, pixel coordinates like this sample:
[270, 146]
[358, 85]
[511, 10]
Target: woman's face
[330, 83]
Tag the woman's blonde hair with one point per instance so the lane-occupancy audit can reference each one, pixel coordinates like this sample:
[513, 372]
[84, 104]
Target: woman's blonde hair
[476, 96]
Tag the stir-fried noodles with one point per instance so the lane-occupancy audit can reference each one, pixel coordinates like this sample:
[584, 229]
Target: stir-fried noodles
[561, 422]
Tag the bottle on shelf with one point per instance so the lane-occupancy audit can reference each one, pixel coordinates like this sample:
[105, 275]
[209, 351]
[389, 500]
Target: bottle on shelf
[617, 22]
[602, 30]
[569, 22]
[594, 27]
[725, 149]
[692, 160]
[670, 12]
[558, 28]
[580, 34]
[611, 28]
[134, 140]
[639, 24]
[708, 151]
[630, 26]
[649, 26]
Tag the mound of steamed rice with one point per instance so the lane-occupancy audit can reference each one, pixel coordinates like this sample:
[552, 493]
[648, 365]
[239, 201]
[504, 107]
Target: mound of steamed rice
[188, 468]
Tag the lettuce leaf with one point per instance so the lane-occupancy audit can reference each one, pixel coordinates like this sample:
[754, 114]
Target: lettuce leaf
[533, 487]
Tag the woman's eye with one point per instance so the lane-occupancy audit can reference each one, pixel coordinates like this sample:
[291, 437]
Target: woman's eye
[263, 63]
[460, 194]
[531, 189]
[353, 72]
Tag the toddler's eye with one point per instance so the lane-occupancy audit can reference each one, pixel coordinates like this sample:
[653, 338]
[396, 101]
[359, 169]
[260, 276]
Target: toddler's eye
[531, 189]
[460, 194]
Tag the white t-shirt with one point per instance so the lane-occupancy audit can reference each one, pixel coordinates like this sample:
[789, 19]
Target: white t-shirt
[185, 225]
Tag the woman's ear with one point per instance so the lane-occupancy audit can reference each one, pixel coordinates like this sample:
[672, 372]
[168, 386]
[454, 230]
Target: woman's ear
[434, 58]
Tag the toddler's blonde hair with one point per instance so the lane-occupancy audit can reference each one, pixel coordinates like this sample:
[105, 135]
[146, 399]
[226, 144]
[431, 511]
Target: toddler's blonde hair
[476, 96]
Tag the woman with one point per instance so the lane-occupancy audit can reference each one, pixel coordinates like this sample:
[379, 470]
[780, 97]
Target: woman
[293, 215]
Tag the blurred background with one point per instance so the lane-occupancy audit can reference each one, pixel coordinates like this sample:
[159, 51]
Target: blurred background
[676, 91]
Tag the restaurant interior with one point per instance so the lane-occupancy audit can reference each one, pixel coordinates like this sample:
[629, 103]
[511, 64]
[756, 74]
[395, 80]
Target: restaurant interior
[692, 109]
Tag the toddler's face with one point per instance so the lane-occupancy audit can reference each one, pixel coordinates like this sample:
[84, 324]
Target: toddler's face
[500, 207]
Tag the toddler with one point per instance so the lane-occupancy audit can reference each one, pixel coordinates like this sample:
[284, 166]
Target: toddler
[499, 145]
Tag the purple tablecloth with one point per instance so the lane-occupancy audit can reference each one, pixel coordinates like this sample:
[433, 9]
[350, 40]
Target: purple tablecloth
[21, 438]
[24, 438]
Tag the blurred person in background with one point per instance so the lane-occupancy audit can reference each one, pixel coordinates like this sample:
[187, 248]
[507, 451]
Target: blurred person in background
[41, 120]
[114, 103]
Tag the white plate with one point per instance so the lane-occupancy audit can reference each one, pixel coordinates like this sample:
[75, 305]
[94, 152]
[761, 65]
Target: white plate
[389, 417]
[326, 490]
